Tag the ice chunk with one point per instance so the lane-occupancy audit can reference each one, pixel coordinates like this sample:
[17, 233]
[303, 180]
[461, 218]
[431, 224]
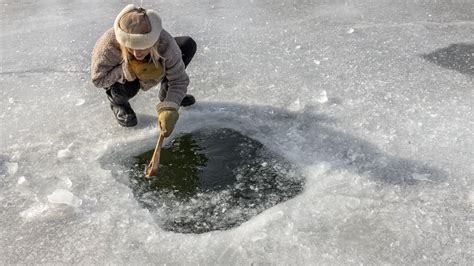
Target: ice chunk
[63, 196]
[351, 30]
[12, 168]
[323, 97]
[80, 102]
[317, 62]
[21, 180]
[67, 182]
[295, 106]
[11, 100]
[64, 154]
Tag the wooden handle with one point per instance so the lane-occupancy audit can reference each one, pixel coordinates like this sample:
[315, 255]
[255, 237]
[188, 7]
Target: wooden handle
[155, 159]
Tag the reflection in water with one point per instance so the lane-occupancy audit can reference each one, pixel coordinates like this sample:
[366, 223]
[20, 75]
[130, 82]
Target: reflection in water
[213, 179]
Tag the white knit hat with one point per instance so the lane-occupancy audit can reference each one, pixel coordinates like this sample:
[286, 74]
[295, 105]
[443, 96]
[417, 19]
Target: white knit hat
[138, 41]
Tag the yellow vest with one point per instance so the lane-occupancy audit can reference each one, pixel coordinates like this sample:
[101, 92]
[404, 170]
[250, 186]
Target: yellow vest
[146, 70]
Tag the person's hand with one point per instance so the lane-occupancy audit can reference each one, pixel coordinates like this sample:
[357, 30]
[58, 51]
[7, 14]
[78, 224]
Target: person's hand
[146, 70]
[167, 118]
[128, 73]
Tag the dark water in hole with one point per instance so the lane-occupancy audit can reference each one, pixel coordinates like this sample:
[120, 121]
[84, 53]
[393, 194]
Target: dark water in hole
[213, 179]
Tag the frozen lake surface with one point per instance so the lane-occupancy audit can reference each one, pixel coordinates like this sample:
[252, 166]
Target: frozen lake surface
[372, 100]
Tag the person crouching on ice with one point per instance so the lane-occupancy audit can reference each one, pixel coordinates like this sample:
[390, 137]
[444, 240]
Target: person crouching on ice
[137, 53]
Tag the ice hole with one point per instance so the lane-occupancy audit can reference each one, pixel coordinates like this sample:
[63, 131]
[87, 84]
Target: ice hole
[213, 179]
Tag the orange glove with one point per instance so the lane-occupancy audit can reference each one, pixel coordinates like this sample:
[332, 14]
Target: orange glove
[167, 118]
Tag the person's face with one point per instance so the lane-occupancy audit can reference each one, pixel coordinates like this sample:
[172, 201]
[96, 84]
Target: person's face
[139, 54]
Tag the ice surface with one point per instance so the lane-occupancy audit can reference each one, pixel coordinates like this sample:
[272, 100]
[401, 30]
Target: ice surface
[387, 158]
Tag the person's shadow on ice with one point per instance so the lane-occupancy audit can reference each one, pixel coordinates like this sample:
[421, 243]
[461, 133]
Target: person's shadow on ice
[304, 131]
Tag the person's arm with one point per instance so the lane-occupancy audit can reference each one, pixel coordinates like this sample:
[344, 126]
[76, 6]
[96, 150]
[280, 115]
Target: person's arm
[178, 80]
[106, 68]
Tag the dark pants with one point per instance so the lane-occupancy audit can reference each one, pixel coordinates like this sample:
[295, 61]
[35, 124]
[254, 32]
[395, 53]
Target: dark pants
[188, 48]
[120, 93]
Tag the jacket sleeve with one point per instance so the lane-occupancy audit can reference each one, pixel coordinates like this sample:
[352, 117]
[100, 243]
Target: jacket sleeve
[106, 66]
[178, 80]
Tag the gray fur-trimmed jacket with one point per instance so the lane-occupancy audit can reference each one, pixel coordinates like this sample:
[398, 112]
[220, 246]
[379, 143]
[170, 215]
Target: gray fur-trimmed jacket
[106, 68]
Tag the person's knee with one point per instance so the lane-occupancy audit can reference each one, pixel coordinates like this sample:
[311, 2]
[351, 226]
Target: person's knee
[192, 45]
[125, 91]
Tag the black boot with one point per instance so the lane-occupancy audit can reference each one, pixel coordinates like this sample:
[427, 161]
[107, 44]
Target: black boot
[118, 95]
[188, 100]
